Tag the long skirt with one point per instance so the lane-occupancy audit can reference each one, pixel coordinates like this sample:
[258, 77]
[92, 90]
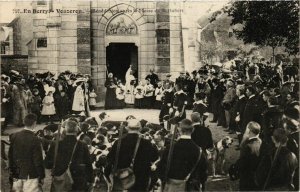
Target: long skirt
[138, 103]
[110, 98]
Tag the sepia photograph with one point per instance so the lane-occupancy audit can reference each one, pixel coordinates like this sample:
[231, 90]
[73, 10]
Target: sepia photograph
[149, 95]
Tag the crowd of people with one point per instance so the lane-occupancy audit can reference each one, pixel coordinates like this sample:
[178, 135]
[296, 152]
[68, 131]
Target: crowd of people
[49, 98]
[256, 101]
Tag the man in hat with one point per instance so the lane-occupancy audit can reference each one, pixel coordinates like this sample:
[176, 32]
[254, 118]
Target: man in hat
[184, 157]
[181, 78]
[167, 83]
[228, 101]
[81, 167]
[153, 78]
[146, 155]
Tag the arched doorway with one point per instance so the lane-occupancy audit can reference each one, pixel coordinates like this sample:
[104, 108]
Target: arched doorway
[119, 56]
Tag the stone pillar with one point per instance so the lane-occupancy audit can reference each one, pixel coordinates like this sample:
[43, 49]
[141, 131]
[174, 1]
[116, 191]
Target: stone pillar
[68, 38]
[163, 37]
[176, 43]
[84, 38]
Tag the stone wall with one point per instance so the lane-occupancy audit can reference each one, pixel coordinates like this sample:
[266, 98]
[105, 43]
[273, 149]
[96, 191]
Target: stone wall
[14, 62]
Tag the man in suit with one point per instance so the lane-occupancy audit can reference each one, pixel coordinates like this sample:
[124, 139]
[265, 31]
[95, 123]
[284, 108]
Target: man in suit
[229, 98]
[81, 165]
[26, 158]
[216, 98]
[184, 158]
[201, 135]
[239, 108]
[251, 111]
[249, 157]
[146, 155]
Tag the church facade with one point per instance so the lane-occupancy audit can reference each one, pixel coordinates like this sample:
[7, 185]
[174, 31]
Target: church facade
[101, 37]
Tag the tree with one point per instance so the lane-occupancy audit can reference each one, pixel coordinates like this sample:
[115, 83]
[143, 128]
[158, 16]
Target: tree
[267, 23]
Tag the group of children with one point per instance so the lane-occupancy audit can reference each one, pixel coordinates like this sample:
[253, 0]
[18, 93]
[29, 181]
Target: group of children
[55, 104]
[143, 96]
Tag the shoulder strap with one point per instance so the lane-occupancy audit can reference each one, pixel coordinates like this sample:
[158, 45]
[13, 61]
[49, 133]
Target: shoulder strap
[118, 149]
[195, 166]
[71, 159]
[135, 151]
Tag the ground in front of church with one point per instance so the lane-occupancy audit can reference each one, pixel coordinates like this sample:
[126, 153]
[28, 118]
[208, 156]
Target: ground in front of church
[220, 183]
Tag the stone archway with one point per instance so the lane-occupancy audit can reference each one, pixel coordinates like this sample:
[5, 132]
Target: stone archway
[118, 24]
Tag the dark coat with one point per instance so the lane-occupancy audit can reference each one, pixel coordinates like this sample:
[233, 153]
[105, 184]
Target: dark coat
[202, 137]
[146, 155]
[281, 173]
[184, 158]
[81, 166]
[25, 156]
[251, 112]
[200, 108]
[248, 162]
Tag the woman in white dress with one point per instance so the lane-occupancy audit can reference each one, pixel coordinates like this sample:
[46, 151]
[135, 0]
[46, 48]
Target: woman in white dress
[78, 100]
[130, 81]
[48, 107]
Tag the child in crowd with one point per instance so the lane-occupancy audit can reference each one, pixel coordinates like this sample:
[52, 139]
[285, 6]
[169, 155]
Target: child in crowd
[48, 107]
[139, 95]
[36, 104]
[120, 94]
[159, 92]
[92, 99]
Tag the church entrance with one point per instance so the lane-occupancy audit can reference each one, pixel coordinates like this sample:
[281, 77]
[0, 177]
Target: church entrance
[119, 56]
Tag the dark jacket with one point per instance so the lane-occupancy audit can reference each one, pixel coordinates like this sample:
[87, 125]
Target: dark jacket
[81, 166]
[248, 162]
[281, 176]
[25, 156]
[251, 112]
[202, 137]
[146, 155]
[184, 158]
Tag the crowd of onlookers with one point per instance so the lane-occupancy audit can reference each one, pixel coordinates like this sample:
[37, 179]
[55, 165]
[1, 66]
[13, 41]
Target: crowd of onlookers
[256, 101]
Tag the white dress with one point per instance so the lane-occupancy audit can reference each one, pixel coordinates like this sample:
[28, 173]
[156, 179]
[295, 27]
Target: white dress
[78, 100]
[48, 106]
[129, 89]
[92, 100]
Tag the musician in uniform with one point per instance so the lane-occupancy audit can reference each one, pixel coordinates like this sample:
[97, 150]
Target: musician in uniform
[167, 100]
[179, 104]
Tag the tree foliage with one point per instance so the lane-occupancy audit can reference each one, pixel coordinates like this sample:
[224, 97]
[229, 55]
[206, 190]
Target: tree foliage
[267, 23]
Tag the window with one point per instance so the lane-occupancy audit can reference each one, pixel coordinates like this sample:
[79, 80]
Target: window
[41, 42]
[41, 2]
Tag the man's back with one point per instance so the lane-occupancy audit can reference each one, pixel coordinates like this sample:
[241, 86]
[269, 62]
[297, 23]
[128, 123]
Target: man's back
[202, 137]
[184, 158]
[146, 153]
[25, 156]
[81, 167]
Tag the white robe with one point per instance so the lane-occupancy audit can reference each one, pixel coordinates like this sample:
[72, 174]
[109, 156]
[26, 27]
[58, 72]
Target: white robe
[78, 100]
